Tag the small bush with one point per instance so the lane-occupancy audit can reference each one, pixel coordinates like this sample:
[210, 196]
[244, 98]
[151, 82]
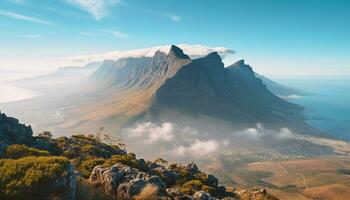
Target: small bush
[91, 150]
[88, 165]
[127, 159]
[27, 177]
[19, 150]
[191, 187]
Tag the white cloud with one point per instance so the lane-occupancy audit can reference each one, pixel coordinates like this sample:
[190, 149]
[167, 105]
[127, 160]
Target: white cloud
[118, 34]
[197, 148]
[151, 132]
[18, 16]
[194, 51]
[97, 8]
[259, 132]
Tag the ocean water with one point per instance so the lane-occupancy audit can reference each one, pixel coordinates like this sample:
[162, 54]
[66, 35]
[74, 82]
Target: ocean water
[10, 93]
[327, 104]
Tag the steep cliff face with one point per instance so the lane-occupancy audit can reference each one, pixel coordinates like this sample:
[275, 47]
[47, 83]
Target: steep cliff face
[234, 94]
[143, 72]
[124, 89]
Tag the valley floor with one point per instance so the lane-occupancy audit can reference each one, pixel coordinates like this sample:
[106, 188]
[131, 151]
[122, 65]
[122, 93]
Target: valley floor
[323, 177]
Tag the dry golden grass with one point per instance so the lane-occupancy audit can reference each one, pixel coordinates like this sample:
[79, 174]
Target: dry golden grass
[307, 179]
[88, 191]
[329, 192]
[149, 192]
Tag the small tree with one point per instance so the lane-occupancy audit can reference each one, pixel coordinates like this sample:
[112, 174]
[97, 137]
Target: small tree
[46, 134]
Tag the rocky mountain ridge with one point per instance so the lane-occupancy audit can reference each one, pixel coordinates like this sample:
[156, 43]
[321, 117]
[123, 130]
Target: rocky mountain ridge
[83, 167]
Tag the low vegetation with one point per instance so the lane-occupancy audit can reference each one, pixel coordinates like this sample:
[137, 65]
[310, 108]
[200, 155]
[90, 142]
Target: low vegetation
[20, 150]
[26, 170]
[24, 177]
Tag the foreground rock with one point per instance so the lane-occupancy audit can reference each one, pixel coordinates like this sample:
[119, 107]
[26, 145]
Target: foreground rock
[11, 131]
[124, 182]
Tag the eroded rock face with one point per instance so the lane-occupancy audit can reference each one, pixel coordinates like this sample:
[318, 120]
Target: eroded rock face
[124, 181]
[10, 128]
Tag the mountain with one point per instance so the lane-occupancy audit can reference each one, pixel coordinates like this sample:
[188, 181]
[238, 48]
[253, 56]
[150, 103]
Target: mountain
[134, 88]
[279, 89]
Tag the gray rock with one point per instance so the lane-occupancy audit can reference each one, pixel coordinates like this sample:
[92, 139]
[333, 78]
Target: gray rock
[12, 132]
[201, 195]
[124, 181]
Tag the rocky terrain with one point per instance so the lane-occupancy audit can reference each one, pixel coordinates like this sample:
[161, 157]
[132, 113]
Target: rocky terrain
[85, 167]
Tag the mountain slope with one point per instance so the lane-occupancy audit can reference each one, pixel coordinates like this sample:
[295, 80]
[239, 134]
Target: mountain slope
[278, 89]
[233, 94]
[123, 89]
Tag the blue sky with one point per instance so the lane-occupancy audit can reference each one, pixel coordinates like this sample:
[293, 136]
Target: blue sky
[277, 37]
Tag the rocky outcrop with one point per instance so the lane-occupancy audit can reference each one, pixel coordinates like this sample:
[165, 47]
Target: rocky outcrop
[255, 194]
[67, 183]
[125, 182]
[13, 132]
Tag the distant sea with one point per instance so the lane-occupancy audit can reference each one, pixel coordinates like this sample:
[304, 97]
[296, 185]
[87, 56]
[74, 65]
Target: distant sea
[327, 104]
[12, 93]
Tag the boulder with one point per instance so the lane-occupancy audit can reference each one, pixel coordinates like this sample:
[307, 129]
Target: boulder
[123, 181]
[201, 195]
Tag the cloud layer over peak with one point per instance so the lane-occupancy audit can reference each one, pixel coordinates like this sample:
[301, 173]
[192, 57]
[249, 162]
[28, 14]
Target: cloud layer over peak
[194, 51]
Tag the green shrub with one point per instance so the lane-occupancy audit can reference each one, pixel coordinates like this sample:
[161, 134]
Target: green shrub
[191, 186]
[91, 150]
[19, 150]
[127, 159]
[28, 177]
[87, 165]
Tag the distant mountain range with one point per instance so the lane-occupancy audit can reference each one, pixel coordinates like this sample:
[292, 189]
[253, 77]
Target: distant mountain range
[118, 92]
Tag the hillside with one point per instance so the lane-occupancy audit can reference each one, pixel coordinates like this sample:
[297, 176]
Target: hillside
[84, 167]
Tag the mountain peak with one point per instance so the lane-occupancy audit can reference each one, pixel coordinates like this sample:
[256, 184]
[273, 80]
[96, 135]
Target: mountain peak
[239, 63]
[177, 52]
[213, 55]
